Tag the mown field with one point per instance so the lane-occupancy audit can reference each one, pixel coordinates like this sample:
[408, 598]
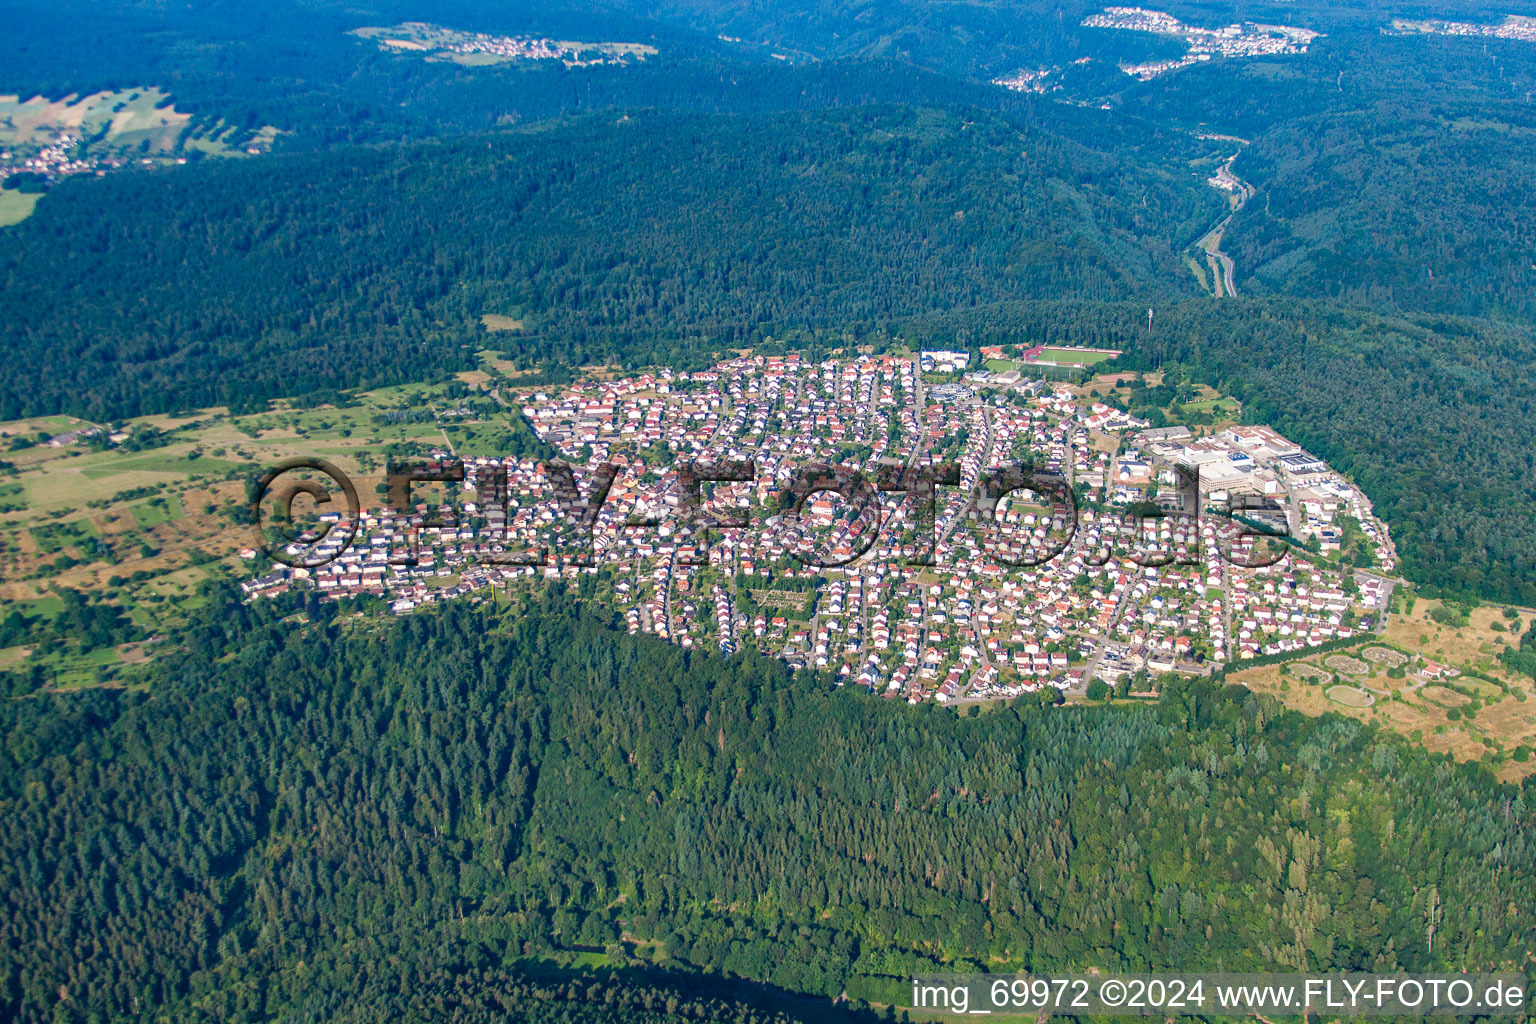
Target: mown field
[1074, 355]
[15, 206]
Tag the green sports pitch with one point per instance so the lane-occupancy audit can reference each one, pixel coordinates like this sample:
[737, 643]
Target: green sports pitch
[1085, 357]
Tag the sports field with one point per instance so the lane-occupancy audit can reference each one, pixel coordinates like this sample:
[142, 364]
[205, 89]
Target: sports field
[1350, 696]
[1075, 355]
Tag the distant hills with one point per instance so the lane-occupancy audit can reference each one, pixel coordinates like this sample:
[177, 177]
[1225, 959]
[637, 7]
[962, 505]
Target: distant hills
[637, 239]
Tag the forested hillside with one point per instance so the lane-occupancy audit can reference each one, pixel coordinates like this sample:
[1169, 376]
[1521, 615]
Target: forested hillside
[1397, 209]
[1391, 168]
[1392, 171]
[294, 65]
[311, 819]
[647, 238]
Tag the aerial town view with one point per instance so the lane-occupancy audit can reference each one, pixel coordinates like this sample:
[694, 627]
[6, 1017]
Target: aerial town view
[767, 512]
[1102, 598]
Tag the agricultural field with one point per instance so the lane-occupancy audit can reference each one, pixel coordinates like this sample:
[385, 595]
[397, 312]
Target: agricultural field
[52, 138]
[145, 529]
[15, 206]
[139, 120]
[136, 123]
[478, 49]
[156, 511]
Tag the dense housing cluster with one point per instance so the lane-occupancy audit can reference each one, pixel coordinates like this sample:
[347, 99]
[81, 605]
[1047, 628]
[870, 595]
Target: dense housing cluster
[1103, 568]
[1514, 26]
[1238, 40]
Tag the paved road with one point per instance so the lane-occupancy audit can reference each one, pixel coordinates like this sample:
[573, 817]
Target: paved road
[1220, 263]
[954, 522]
[443, 430]
[1390, 585]
[671, 576]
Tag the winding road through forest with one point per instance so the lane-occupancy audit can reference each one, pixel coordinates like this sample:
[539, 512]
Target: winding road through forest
[1218, 262]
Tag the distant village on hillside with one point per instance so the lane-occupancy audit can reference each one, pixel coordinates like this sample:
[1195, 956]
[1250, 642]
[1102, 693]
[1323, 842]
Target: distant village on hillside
[1514, 26]
[434, 42]
[1239, 40]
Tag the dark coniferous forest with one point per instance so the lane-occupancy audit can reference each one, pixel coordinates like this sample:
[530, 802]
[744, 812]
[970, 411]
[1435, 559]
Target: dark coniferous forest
[334, 820]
